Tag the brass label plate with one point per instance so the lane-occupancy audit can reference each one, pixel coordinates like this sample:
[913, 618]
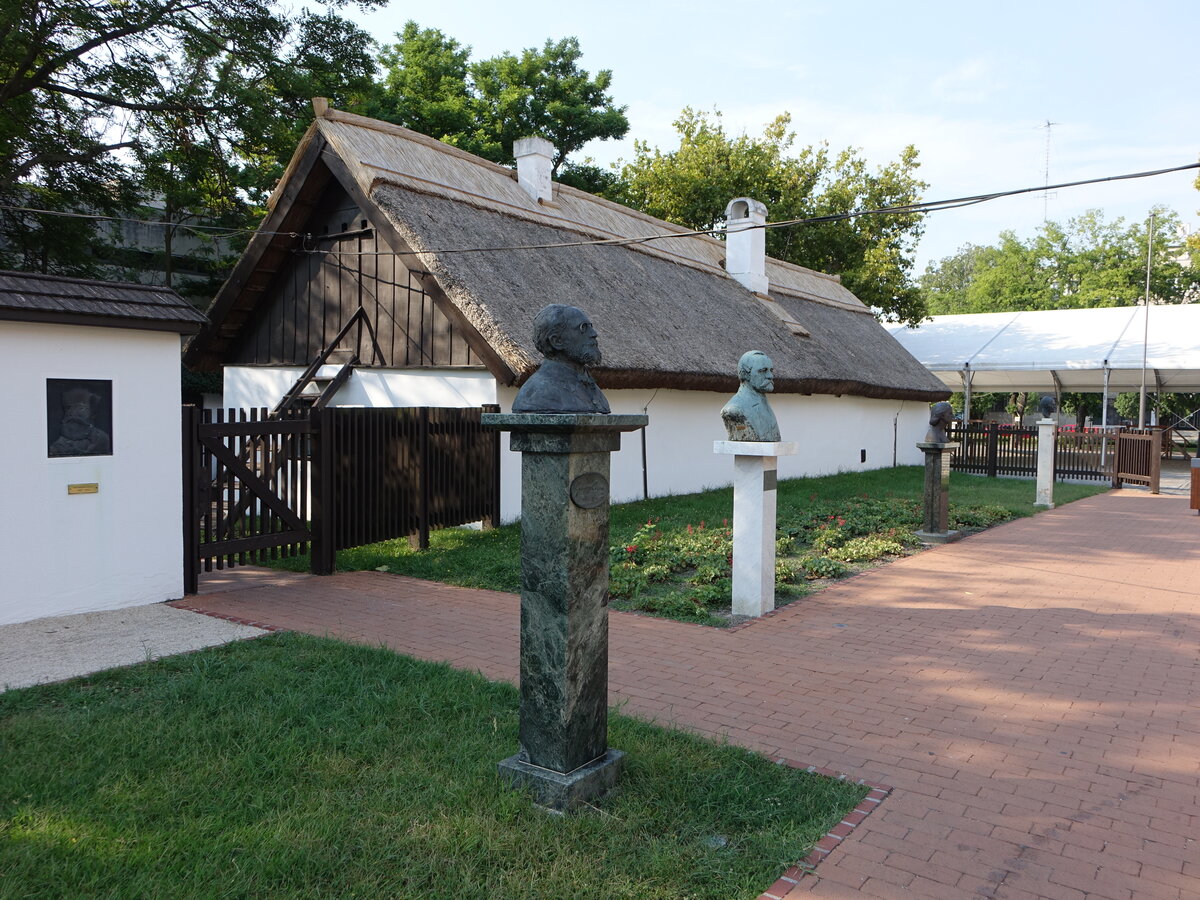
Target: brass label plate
[92, 488]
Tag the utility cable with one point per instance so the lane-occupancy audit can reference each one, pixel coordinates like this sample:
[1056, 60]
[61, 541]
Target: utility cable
[921, 208]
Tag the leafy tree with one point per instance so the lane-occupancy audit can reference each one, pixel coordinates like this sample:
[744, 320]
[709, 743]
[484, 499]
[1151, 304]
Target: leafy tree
[191, 101]
[431, 86]
[873, 254]
[1088, 262]
[425, 85]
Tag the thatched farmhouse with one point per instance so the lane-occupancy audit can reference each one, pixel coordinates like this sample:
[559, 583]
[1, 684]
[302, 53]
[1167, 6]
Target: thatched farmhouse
[421, 267]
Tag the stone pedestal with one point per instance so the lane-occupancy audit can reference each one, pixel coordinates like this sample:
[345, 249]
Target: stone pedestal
[755, 468]
[1045, 463]
[564, 756]
[936, 528]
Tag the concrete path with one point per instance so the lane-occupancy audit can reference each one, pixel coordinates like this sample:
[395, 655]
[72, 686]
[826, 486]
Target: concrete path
[1032, 694]
[60, 647]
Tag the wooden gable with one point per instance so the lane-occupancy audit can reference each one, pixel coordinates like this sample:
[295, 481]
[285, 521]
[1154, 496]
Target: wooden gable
[342, 262]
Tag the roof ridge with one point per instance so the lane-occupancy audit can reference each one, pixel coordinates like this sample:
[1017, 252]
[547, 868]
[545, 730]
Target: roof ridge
[74, 279]
[673, 229]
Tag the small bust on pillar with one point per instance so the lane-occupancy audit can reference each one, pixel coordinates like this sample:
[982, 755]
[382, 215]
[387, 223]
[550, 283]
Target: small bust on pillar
[755, 445]
[938, 449]
[1047, 428]
[562, 428]
[748, 416]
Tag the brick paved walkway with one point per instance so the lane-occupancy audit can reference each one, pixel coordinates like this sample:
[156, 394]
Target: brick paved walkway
[1032, 693]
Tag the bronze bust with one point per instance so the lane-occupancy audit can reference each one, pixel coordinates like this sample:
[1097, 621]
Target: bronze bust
[565, 336]
[748, 416]
[1048, 406]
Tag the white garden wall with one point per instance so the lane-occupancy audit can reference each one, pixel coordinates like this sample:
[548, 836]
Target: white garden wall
[121, 546]
[831, 433]
[254, 387]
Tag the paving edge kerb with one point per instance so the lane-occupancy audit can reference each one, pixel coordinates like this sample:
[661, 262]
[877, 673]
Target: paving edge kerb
[791, 877]
[236, 620]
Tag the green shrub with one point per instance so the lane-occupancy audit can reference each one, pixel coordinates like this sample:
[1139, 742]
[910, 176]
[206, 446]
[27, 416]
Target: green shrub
[823, 567]
[872, 546]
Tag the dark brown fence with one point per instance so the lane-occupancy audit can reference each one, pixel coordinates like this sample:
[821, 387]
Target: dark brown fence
[1004, 450]
[389, 473]
[991, 449]
[257, 488]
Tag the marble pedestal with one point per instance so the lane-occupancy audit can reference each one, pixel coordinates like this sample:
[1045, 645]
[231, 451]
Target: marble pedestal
[564, 757]
[1045, 463]
[755, 474]
[936, 528]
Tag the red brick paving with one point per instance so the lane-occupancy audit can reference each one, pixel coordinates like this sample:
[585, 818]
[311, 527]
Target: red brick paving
[1032, 694]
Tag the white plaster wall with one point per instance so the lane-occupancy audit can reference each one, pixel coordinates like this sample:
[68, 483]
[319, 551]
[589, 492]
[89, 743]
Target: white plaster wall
[830, 432]
[251, 387]
[123, 546]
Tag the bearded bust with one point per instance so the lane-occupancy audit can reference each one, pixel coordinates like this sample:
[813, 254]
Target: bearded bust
[565, 336]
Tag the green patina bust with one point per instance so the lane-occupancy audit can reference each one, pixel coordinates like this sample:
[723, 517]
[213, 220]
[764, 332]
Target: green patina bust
[748, 416]
[562, 384]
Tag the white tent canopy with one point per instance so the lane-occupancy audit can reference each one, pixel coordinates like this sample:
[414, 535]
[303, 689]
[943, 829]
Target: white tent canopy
[1085, 350]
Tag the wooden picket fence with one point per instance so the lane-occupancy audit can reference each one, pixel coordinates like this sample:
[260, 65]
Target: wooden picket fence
[260, 485]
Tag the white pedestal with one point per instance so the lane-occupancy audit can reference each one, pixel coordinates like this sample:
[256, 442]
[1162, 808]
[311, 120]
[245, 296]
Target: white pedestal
[1045, 464]
[755, 467]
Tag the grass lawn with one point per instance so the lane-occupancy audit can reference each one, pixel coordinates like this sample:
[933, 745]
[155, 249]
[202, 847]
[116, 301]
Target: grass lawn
[827, 527]
[294, 766]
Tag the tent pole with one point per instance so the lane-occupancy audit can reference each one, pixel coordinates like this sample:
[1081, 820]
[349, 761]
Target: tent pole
[967, 375]
[1104, 416]
[1146, 325]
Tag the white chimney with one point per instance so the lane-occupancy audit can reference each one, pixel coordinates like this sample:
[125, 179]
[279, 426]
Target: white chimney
[535, 157]
[745, 244]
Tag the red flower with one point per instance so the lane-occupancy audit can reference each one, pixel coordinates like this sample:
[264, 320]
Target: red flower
[632, 548]
[841, 521]
[689, 529]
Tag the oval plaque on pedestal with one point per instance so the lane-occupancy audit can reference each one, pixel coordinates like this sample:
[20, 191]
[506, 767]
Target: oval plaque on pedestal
[589, 490]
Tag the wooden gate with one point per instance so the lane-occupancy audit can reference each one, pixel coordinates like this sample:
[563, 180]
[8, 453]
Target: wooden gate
[246, 488]
[260, 485]
[1138, 458]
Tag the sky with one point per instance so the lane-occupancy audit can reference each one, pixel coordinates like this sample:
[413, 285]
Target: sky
[971, 86]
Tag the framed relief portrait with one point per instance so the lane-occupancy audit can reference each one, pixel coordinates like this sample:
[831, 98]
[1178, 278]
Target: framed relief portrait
[78, 417]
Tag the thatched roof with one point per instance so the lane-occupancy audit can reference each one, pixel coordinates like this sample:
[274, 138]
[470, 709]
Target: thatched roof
[29, 297]
[667, 313]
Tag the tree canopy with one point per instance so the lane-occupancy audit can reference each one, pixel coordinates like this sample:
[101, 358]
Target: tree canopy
[693, 184]
[430, 85]
[1088, 262]
[192, 102]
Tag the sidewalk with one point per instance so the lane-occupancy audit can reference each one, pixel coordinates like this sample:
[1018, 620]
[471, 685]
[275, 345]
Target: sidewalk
[1029, 692]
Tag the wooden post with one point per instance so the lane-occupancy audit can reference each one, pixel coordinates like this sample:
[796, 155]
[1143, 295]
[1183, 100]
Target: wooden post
[322, 552]
[1116, 458]
[424, 478]
[993, 440]
[1156, 438]
[492, 517]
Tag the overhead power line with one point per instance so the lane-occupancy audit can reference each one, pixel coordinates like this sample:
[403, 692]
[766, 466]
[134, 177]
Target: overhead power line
[921, 208]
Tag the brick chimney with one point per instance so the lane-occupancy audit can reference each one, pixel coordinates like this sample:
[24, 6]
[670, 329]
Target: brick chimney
[745, 244]
[535, 157]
